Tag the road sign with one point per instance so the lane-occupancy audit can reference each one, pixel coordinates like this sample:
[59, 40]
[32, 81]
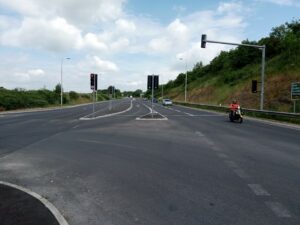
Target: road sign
[295, 91]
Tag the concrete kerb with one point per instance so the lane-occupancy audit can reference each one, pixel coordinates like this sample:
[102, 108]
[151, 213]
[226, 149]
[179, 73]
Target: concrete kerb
[107, 115]
[58, 216]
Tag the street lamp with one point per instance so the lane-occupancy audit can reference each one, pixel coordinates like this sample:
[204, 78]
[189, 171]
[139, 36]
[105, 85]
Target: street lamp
[61, 80]
[185, 86]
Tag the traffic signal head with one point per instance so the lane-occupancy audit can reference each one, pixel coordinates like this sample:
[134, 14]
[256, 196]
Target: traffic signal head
[254, 86]
[149, 83]
[203, 40]
[92, 79]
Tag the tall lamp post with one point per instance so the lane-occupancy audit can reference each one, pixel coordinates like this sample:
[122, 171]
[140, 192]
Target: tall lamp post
[61, 80]
[185, 86]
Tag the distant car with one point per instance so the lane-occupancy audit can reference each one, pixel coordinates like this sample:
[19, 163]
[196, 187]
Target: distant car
[167, 102]
[155, 100]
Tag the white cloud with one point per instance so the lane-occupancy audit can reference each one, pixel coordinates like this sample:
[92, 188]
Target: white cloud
[29, 75]
[284, 2]
[75, 11]
[93, 41]
[53, 35]
[36, 73]
[97, 65]
[125, 26]
[160, 45]
[101, 29]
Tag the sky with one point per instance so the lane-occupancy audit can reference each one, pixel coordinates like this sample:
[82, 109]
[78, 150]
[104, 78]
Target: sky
[123, 41]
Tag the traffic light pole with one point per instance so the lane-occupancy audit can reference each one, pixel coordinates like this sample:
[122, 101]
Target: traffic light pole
[93, 103]
[262, 47]
[152, 95]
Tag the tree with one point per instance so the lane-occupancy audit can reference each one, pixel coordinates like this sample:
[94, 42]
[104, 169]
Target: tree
[73, 95]
[57, 89]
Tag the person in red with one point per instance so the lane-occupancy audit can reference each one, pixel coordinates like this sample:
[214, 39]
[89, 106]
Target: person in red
[234, 106]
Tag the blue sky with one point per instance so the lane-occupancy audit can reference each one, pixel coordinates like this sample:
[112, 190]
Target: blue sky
[123, 40]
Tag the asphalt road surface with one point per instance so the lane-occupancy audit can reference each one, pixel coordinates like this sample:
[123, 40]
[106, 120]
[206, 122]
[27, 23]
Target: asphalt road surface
[193, 168]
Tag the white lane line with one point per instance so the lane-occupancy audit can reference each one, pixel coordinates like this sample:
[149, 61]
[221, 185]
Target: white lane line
[215, 148]
[222, 155]
[231, 164]
[258, 190]
[58, 216]
[107, 115]
[177, 110]
[278, 209]
[189, 114]
[200, 134]
[241, 173]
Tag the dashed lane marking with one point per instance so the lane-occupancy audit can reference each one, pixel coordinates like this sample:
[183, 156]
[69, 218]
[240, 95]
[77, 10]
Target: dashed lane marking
[222, 155]
[200, 134]
[241, 173]
[258, 190]
[278, 209]
[189, 114]
[231, 164]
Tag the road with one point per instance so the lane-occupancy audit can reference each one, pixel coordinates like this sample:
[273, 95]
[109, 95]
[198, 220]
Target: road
[193, 168]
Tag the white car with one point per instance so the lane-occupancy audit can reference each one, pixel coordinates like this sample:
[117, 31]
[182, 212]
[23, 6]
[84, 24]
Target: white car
[167, 102]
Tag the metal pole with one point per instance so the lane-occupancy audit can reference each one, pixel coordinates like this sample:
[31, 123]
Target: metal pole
[152, 94]
[162, 91]
[61, 82]
[185, 88]
[93, 103]
[294, 106]
[262, 78]
[94, 95]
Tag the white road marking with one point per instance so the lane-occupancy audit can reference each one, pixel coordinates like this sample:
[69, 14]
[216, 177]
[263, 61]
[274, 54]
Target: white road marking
[189, 114]
[107, 115]
[58, 216]
[75, 126]
[258, 190]
[231, 164]
[152, 111]
[215, 148]
[278, 209]
[241, 173]
[222, 155]
[200, 134]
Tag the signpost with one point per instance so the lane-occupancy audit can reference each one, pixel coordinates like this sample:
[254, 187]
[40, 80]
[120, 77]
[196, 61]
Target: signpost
[295, 93]
[153, 83]
[94, 87]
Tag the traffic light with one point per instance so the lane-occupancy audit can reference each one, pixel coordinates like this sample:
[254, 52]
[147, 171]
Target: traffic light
[92, 76]
[254, 86]
[203, 40]
[149, 83]
[94, 81]
[153, 81]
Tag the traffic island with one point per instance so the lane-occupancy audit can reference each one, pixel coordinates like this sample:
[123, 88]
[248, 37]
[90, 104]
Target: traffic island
[152, 116]
[19, 207]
